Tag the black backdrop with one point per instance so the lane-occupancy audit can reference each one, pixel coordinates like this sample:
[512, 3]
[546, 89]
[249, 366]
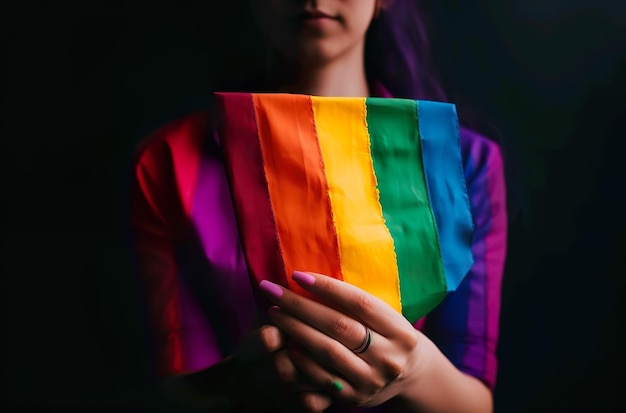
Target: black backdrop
[82, 81]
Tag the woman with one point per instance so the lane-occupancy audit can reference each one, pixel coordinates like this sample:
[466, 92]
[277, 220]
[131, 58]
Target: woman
[357, 351]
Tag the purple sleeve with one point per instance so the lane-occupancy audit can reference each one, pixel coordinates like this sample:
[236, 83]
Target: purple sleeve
[465, 325]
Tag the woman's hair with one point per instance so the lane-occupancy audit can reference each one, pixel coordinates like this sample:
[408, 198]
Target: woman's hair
[397, 52]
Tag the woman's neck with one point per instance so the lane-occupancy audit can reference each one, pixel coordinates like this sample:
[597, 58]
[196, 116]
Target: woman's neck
[344, 76]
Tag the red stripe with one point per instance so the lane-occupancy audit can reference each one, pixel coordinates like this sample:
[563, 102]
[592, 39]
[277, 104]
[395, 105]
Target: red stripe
[244, 166]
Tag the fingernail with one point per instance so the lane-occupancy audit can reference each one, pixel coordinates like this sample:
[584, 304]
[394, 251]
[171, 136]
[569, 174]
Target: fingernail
[274, 312]
[337, 386]
[271, 289]
[303, 278]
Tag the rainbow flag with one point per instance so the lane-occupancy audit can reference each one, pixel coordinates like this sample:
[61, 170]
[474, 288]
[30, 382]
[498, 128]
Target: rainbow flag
[367, 190]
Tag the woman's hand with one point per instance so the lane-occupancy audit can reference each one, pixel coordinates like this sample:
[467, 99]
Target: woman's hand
[327, 335]
[266, 376]
[259, 377]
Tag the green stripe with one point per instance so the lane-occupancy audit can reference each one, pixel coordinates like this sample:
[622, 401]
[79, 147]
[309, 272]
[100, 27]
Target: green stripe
[397, 157]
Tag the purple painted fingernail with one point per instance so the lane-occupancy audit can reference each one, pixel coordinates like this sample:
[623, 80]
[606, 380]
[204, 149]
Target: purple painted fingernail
[270, 288]
[303, 278]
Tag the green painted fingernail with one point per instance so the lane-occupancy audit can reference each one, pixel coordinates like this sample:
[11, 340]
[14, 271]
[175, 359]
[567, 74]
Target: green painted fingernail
[337, 386]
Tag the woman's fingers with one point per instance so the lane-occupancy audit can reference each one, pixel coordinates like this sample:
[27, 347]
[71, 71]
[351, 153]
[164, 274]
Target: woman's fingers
[333, 328]
[327, 350]
[260, 343]
[285, 386]
[333, 323]
[285, 369]
[334, 383]
[272, 339]
[314, 402]
[351, 300]
[371, 310]
[306, 393]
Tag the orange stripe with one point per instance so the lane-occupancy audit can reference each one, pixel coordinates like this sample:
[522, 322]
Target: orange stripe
[297, 185]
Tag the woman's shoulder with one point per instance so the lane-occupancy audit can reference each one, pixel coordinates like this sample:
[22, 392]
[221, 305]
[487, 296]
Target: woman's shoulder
[181, 137]
[480, 154]
[484, 171]
[167, 160]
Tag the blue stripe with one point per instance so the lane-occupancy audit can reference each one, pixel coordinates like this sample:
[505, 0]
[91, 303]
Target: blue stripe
[441, 157]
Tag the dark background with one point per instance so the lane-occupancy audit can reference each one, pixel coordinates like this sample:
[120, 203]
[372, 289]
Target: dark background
[81, 82]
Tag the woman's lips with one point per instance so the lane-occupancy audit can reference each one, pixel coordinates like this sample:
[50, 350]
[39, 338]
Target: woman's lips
[316, 14]
[314, 19]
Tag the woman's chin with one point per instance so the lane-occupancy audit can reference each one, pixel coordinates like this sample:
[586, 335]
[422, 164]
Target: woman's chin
[317, 53]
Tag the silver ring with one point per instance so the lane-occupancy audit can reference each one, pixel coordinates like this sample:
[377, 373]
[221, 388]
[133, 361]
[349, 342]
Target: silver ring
[366, 342]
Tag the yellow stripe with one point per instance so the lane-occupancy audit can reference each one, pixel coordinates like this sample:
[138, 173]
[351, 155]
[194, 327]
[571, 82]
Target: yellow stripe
[366, 247]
